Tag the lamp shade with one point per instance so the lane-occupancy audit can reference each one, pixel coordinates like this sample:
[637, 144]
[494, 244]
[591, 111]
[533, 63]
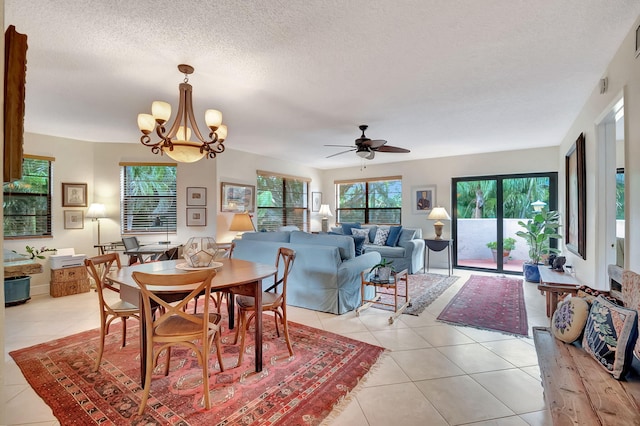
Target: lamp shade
[241, 222]
[439, 213]
[96, 211]
[538, 205]
[325, 211]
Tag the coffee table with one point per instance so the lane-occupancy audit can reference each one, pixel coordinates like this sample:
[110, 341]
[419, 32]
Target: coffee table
[394, 282]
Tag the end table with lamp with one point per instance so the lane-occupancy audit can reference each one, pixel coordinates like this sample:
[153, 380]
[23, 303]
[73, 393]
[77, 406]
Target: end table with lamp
[438, 243]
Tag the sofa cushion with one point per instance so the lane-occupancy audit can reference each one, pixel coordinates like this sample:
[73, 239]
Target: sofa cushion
[394, 236]
[385, 251]
[381, 237]
[569, 319]
[346, 227]
[279, 236]
[610, 335]
[358, 241]
[408, 234]
[345, 244]
[372, 232]
[364, 233]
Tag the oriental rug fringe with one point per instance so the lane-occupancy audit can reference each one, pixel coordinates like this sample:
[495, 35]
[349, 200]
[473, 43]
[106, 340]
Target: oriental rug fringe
[303, 389]
[489, 303]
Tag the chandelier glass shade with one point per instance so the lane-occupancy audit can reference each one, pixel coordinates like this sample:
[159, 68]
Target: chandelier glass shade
[176, 142]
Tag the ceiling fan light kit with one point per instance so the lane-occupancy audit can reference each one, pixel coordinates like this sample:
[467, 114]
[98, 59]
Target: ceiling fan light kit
[366, 148]
[176, 142]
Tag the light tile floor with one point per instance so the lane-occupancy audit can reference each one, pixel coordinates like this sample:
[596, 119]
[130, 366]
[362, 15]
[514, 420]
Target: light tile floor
[434, 374]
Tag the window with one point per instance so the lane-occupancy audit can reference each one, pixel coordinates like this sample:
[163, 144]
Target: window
[27, 202]
[376, 200]
[147, 198]
[282, 201]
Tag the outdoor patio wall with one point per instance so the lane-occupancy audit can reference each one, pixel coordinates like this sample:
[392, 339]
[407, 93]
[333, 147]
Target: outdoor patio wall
[478, 232]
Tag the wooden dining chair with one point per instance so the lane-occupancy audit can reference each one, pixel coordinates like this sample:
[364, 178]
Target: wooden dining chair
[274, 299]
[98, 267]
[173, 326]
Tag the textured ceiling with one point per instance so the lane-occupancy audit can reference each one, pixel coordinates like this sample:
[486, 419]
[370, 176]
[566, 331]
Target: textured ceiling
[441, 78]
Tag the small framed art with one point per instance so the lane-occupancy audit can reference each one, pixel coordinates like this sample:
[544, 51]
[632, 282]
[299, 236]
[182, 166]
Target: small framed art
[423, 199]
[237, 198]
[196, 216]
[73, 219]
[196, 196]
[74, 194]
[316, 200]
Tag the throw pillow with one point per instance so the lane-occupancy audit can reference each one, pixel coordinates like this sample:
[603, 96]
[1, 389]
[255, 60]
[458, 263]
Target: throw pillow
[394, 236]
[631, 297]
[347, 227]
[359, 242]
[364, 233]
[610, 335]
[381, 237]
[569, 319]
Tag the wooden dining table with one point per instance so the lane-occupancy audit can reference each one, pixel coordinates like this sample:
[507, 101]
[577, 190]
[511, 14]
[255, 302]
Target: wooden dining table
[239, 276]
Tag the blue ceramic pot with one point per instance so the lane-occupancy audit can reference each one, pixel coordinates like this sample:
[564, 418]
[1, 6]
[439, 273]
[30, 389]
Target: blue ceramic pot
[531, 272]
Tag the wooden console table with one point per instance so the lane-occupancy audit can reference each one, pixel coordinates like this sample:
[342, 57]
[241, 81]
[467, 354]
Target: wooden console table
[554, 284]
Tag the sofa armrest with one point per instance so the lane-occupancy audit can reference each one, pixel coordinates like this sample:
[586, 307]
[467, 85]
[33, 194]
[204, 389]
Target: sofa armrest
[415, 251]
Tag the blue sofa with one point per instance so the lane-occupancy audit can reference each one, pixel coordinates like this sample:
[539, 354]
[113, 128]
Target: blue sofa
[407, 253]
[326, 273]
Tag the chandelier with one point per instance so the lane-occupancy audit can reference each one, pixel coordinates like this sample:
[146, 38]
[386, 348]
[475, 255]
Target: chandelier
[176, 142]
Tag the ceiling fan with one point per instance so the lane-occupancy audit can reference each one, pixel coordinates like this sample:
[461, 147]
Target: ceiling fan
[366, 148]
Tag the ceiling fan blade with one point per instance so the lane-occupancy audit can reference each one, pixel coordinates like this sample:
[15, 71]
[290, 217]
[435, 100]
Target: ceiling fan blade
[338, 153]
[342, 146]
[389, 148]
[374, 143]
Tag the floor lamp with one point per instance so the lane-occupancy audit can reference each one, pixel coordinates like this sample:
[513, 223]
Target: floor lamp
[158, 222]
[96, 212]
[325, 212]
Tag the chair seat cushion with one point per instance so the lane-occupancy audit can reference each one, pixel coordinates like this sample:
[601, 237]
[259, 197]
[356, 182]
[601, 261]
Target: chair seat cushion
[268, 298]
[124, 307]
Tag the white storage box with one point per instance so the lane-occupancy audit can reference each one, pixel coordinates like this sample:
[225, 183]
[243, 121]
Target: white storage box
[66, 258]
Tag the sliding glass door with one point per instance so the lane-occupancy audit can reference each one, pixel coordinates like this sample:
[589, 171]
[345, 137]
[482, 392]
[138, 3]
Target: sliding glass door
[485, 219]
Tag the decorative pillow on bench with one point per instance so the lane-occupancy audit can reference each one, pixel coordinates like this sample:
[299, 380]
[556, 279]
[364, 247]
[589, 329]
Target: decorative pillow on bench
[569, 319]
[610, 335]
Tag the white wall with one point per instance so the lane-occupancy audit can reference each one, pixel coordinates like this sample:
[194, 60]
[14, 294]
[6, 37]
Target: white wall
[623, 75]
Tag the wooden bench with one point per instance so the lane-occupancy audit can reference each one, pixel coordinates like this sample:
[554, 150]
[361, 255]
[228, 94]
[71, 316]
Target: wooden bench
[580, 392]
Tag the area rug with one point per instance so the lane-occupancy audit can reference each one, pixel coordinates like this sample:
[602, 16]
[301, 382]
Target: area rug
[489, 303]
[302, 389]
[423, 290]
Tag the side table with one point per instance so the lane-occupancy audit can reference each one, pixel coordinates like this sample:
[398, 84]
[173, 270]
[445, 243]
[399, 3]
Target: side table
[437, 245]
[554, 284]
[392, 283]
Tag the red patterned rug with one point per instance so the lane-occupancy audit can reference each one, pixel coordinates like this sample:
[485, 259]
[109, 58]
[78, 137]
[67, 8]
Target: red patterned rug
[301, 390]
[489, 303]
[423, 290]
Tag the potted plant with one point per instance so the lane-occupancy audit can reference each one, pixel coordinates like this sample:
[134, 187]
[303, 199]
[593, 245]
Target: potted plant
[537, 232]
[382, 271]
[508, 244]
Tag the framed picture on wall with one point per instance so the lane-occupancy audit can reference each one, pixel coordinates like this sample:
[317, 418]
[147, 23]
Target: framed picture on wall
[576, 198]
[196, 196]
[73, 219]
[74, 194]
[237, 198]
[423, 199]
[316, 200]
[196, 217]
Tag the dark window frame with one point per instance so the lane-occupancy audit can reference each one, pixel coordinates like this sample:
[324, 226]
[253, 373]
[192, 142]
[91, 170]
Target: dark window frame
[283, 211]
[369, 212]
[8, 196]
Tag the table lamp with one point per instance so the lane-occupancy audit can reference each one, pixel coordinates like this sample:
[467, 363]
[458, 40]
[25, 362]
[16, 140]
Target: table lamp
[96, 212]
[241, 222]
[325, 212]
[438, 214]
